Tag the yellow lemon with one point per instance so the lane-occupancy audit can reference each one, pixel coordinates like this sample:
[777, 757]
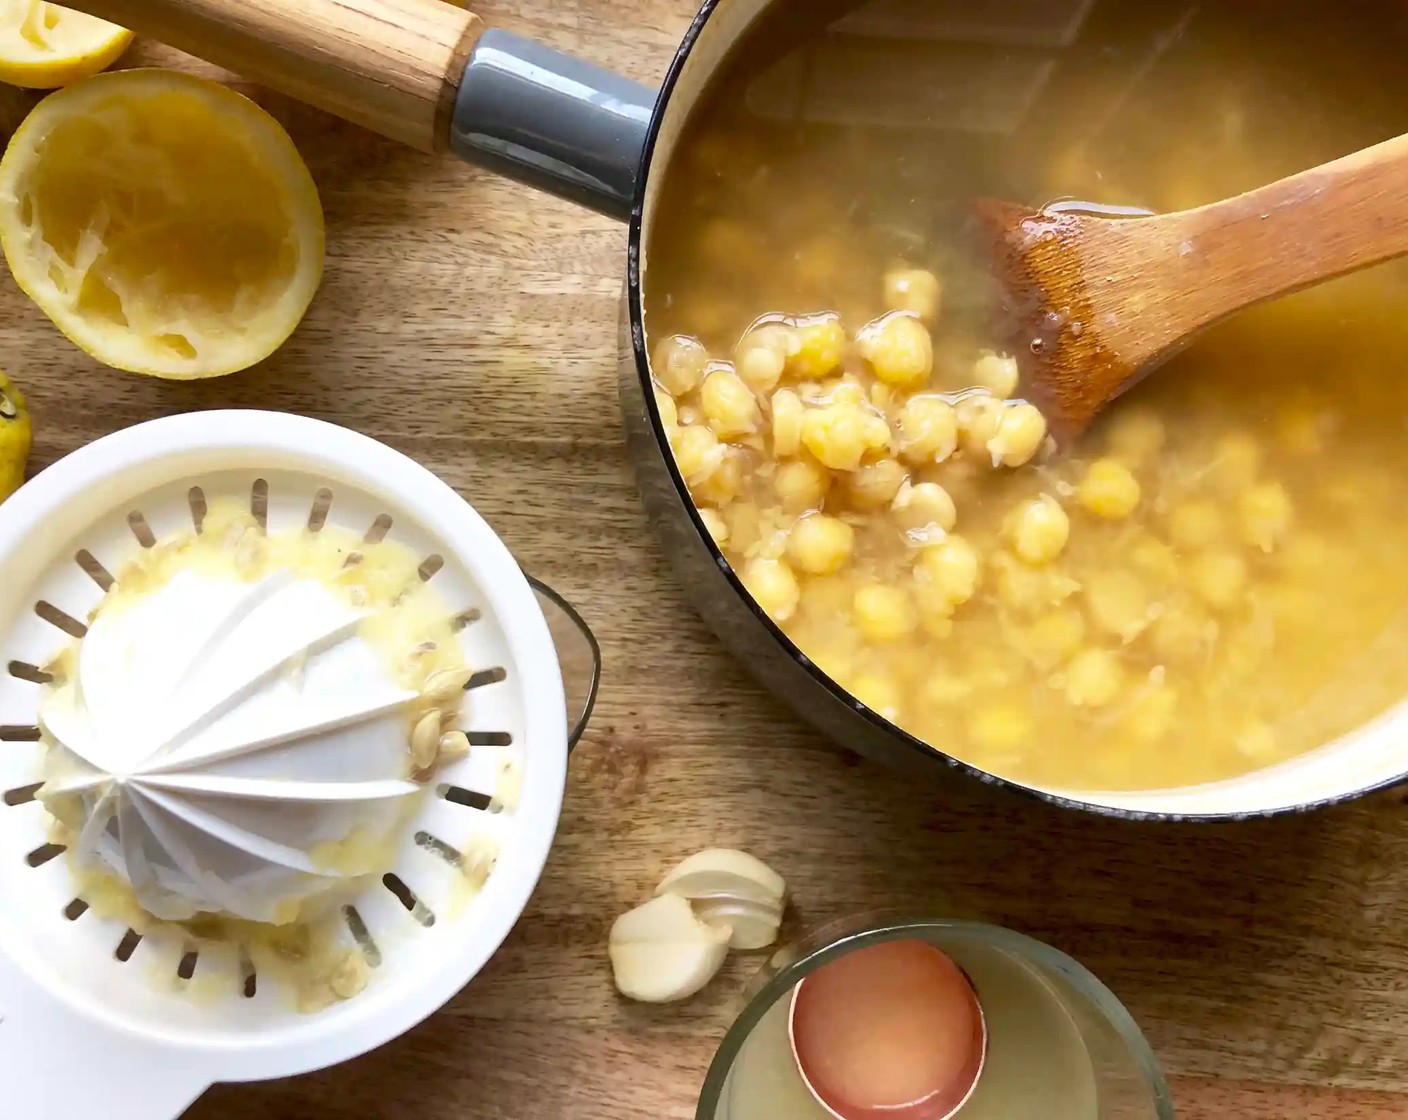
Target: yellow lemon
[44, 46]
[165, 223]
[14, 437]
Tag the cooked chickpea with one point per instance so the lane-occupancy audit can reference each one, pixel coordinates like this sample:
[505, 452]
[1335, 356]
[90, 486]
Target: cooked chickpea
[883, 613]
[1119, 603]
[821, 346]
[786, 409]
[1256, 739]
[899, 350]
[724, 484]
[1196, 523]
[1182, 634]
[949, 570]
[928, 430]
[726, 241]
[820, 545]
[1028, 589]
[728, 404]
[760, 367]
[997, 373]
[978, 415]
[1154, 559]
[1301, 430]
[915, 290]
[801, 485]
[679, 364]
[715, 524]
[944, 688]
[1038, 530]
[841, 435]
[828, 597]
[1021, 431]
[1236, 459]
[665, 406]
[837, 660]
[1135, 435]
[761, 356]
[1150, 716]
[1265, 511]
[745, 527]
[1109, 490]
[1000, 729]
[936, 618]
[875, 485]
[1054, 637]
[1219, 577]
[698, 453]
[879, 693]
[1094, 678]
[924, 511]
[773, 587]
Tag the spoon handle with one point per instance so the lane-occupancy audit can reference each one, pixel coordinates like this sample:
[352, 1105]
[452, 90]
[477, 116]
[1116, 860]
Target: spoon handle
[1299, 231]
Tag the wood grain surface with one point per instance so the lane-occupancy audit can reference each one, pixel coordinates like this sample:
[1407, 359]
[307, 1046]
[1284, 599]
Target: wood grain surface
[473, 326]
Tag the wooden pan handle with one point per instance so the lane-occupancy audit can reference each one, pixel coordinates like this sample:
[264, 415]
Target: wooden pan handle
[391, 65]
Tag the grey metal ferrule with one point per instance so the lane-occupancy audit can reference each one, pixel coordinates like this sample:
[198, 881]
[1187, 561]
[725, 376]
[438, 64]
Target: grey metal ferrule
[552, 121]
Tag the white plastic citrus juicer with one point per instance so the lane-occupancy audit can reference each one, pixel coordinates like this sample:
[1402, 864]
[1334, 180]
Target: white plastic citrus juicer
[204, 786]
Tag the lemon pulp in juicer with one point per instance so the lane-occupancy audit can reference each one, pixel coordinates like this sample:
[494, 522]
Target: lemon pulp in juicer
[238, 711]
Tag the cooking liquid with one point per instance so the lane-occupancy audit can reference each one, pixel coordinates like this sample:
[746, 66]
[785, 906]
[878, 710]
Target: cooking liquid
[842, 138]
[1039, 1065]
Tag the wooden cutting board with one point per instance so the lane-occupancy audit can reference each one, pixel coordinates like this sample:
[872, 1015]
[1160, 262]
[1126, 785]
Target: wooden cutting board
[473, 326]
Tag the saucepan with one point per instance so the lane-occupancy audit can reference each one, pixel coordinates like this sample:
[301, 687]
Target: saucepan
[431, 75]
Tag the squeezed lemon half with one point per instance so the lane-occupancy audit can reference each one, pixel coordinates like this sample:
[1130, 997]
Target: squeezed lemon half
[44, 46]
[165, 223]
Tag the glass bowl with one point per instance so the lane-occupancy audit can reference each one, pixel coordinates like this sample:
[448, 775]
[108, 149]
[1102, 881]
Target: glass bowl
[1092, 1062]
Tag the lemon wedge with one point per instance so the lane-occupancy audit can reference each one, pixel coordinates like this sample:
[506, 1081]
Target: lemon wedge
[165, 223]
[44, 46]
[14, 437]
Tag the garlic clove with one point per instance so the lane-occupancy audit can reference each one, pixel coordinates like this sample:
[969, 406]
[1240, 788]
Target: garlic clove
[754, 925]
[661, 952]
[665, 971]
[717, 872]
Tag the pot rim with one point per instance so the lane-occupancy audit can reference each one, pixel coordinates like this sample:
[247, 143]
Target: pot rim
[636, 312]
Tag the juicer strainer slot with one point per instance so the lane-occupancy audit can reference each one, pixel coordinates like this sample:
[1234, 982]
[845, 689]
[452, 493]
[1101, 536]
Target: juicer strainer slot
[60, 619]
[486, 676]
[137, 522]
[23, 795]
[357, 927]
[94, 570]
[195, 499]
[469, 798]
[76, 908]
[127, 946]
[407, 898]
[44, 853]
[259, 503]
[436, 846]
[24, 671]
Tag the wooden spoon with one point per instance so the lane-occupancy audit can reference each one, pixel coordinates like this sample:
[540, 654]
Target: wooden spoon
[1100, 301]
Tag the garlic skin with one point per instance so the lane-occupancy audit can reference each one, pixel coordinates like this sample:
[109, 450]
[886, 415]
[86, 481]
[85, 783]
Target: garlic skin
[729, 887]
[661, 952]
